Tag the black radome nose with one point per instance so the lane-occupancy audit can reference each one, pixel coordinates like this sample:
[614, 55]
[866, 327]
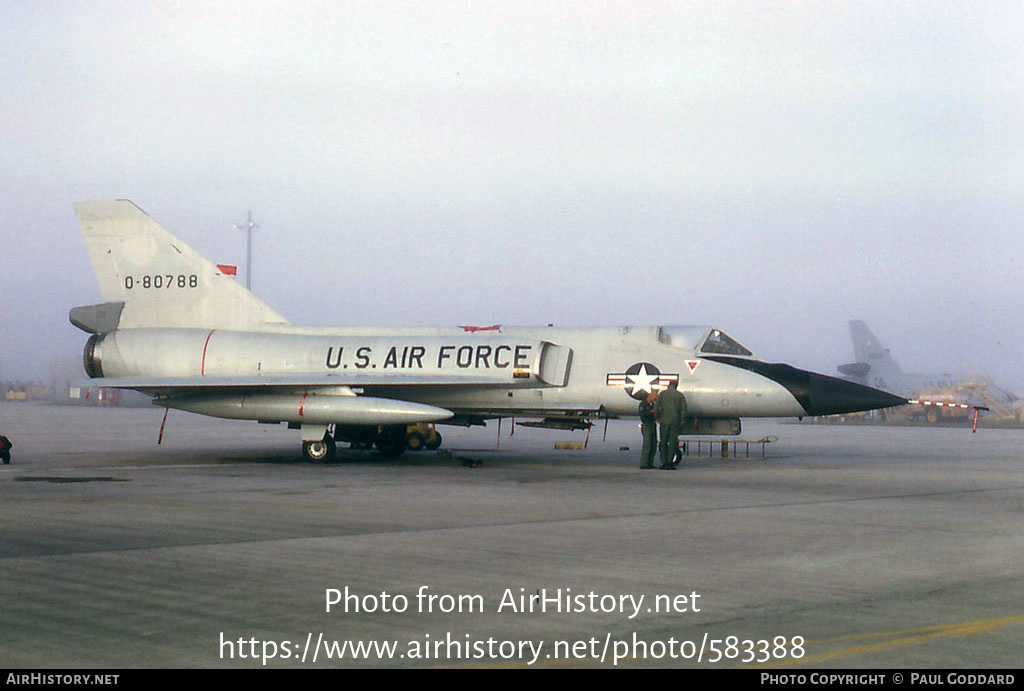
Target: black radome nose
[819, 394]
[829, 396]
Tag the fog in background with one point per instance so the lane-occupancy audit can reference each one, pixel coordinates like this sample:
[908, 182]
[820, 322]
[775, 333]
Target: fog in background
[773, 168]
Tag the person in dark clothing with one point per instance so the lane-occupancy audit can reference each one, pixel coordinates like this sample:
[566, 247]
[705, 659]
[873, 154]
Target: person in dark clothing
[670, 409]
[649, 430]
[5, 449]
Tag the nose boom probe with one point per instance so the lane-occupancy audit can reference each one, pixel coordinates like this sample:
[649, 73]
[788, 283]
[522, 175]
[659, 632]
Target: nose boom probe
[976, 408]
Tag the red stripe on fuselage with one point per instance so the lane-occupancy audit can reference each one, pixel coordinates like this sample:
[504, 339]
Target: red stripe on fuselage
[202, 365]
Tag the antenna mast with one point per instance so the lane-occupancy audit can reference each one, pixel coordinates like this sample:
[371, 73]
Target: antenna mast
[248, 226]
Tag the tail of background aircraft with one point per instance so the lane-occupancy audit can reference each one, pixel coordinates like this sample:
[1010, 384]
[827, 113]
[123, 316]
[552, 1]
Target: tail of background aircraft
[161, 281]
[868, 350]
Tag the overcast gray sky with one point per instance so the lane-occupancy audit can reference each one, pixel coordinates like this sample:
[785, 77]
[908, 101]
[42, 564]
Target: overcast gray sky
[773, 168]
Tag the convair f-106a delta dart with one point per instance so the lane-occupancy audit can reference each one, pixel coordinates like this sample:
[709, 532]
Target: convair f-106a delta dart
[178, 327]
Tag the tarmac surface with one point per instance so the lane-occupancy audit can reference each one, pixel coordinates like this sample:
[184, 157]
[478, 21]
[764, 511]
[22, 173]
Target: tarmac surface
[849, 547]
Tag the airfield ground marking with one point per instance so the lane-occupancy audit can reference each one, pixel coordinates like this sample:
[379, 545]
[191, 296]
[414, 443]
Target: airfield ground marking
[902, 639]
[905, 638]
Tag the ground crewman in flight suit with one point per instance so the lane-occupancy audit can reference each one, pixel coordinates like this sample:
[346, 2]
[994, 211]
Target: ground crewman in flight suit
[670, 409]
[649, 430]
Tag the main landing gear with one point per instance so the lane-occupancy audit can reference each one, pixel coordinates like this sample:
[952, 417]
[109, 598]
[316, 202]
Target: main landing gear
[390, 440]
[320, 451]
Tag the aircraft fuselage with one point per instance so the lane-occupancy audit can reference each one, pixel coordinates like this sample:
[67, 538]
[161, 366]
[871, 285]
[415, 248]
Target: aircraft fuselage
[587, 370]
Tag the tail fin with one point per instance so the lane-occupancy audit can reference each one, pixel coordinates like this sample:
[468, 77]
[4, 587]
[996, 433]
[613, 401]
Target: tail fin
[162, 281]
[867, 349]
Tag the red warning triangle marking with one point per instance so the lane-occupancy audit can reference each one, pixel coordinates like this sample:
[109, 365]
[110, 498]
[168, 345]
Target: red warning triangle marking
[692, 364]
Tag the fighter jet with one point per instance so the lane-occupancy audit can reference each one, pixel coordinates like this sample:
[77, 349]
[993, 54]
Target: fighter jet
[181, 329]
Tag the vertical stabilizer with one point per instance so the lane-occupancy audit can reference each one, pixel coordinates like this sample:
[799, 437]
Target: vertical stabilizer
[161, 280]
[867, 349]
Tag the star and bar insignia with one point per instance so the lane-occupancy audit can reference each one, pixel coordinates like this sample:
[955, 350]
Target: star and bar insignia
[641, 379]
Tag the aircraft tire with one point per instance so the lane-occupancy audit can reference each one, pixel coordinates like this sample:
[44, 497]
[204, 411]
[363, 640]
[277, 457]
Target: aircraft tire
[321, 451]
[435, 443]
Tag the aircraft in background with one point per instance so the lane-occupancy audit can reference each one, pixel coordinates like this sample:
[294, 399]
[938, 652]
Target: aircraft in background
[876, 367]
[177, 327]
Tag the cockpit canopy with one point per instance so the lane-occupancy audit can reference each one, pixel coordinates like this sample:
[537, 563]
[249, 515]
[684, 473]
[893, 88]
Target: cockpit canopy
[702, 339]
